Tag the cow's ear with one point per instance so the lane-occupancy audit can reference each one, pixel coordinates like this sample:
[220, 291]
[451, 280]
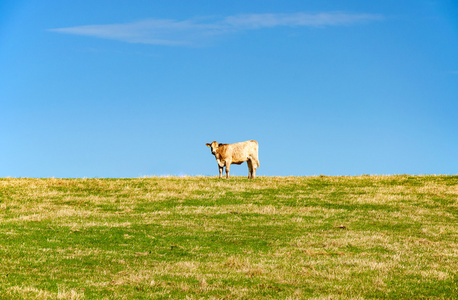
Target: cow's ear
[219, 145]
[208, 145]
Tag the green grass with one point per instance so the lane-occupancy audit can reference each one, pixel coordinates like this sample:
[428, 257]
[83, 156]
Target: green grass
[201, 237]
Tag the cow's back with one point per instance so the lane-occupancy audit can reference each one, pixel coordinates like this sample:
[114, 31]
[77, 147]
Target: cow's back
[239, 152]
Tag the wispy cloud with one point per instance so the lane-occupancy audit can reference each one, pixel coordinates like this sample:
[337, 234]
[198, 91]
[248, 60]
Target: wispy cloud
[189, 32]
[255, 21]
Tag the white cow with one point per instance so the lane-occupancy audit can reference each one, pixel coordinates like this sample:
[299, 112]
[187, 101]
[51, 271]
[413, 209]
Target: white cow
[227, 154]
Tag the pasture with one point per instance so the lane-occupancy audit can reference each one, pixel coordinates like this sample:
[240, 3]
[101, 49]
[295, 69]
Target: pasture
[202, 237]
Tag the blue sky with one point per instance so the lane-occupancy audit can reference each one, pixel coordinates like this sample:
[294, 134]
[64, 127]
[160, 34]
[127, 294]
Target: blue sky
[136, 88]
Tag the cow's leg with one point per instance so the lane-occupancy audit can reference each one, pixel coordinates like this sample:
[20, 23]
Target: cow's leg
[220, 172]
[228, 165]
[250, 168]
[254, 165]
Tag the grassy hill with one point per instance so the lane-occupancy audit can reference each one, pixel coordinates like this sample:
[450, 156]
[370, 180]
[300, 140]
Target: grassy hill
[201, 237]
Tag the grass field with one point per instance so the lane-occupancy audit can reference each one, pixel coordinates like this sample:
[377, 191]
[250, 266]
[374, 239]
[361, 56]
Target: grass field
[201, 237]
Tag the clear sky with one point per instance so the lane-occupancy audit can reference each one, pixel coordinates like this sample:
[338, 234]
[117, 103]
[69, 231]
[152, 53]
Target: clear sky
[136, 88]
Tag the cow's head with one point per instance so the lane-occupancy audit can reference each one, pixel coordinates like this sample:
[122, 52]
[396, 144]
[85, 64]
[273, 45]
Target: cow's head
[214, 146]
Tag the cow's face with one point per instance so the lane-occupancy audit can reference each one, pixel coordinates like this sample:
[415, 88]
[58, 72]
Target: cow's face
[213, 146]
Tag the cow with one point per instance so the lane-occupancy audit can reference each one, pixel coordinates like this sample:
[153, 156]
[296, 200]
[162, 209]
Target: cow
[238, 153]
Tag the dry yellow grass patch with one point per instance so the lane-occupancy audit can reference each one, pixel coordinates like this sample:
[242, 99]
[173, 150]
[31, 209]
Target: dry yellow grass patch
[34, 293]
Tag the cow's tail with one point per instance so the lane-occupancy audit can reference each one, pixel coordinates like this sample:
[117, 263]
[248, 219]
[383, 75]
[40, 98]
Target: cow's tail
[255, 157]
[257, 161]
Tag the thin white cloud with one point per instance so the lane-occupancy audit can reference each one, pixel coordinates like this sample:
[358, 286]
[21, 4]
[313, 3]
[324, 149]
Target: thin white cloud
[173, 32]
[255, 21]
